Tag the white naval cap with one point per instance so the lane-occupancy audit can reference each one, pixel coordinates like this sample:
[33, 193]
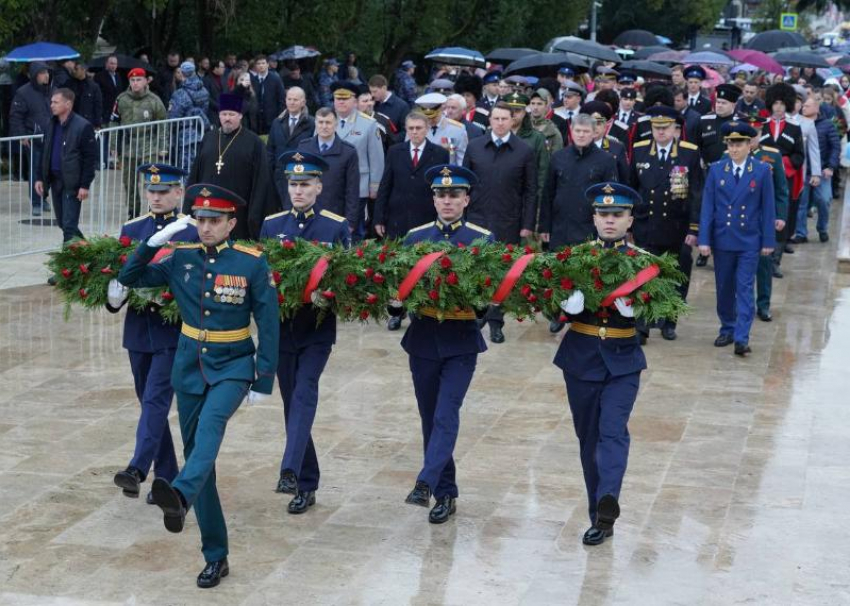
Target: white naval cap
[431, 100]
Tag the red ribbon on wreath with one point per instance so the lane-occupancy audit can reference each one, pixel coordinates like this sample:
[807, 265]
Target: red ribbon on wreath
[629, 286]
[511, 278]
[414, 275]
[316, 275]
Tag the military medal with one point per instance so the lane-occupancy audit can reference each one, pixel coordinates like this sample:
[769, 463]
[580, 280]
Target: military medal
[679, 183]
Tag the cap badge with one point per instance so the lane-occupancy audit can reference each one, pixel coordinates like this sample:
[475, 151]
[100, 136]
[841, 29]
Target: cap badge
[205, 193]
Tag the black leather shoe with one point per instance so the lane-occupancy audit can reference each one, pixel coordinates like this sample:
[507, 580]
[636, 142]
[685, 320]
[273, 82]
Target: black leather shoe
[394, 323]
[129, 481]
[789, 250]
[212, 574]
[798, 240]
[607, 512]
[420, 495]
[481, 322]
[52, 279]
[496, 335]
[441, 512]
[723, 341]
[170, 501]
[742, 349]
[288, 483]
[701, 261]
[668, 332]
[824, 237]
[777, 273]
[643, 337]
[764, 316]
[595, 536]
[555, 326]
[149, 499]
[302, 501]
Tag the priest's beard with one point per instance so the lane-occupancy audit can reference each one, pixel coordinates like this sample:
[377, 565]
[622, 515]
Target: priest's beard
[228, 129]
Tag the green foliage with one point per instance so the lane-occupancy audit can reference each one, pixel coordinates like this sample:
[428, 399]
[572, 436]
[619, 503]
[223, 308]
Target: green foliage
[676, 19]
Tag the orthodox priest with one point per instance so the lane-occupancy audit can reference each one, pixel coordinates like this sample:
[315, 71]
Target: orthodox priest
[233, 157]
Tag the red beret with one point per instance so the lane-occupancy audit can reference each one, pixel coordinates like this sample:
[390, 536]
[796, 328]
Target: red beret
[136, 72]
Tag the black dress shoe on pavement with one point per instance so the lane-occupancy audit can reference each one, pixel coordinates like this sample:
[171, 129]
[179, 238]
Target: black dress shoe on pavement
[596, 536]
[301, 502]
[824, 237]
[764, 316]
[212, 574]
[496, 335]
[789, 250]
[742, 349]
[441, 512]
[394, 323]
[668, 332]
[555, 326]
[607, 512]
[723, 341]
[643, 337]
[777, 273]
[420, 495]
[170, 501]
[701, 261]
[129, 481]
[52, 279]
[798, 240]
[288, 483]
[149, 499]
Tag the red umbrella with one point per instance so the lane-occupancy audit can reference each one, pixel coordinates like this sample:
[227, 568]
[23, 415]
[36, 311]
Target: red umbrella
[759, 59]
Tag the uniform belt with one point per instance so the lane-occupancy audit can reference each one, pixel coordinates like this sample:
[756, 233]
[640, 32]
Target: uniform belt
[433, 312]
[603, 332]
[216, 336]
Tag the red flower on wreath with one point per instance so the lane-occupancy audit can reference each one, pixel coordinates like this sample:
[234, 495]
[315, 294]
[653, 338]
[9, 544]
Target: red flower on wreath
[564, 254]
[510, 247]
[597, 284]
[83, 293]
[631, 252]
[488, 281]
[382, 257]
[125, 241]
[359, 253]
[593, 252]
[66, 273]
[461, 245]
[547, 294]
[84, 268]
[452, 279]
[595, 272]
[437, 281]
[288, 245]
[378, 278]
[364, 315]
[532, 298]
[276, 277]
[525, 290]
[369, 272]
[280, 298]
[547, 274]
[122, 259]
[645, 297]
[566, 284]
[351, 279]
[328, 294]
[507, 258]
[107, 270]
[475, 250]
[445, 262]
[528, 250]
[371, 299]
[433, 295]
[166, 296]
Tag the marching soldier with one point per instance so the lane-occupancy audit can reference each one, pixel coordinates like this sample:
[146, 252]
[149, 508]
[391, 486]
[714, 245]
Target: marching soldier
[601, 359]
[668, 176]
[219, 287]
[448, 134]
[737, 225]
[305, 340]
[443, 353]
[151, 341]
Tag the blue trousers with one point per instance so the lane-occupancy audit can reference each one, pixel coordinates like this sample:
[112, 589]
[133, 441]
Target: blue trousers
[601, 411]
[67, 208]
[440, 387]
[203, 419]
[734, 276]
[298, 375]
[154, 446]
[821, 198]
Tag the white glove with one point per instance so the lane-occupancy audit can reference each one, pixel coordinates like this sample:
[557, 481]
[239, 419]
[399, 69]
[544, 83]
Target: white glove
[163, 236]
[255, 397]
[575, 304]
[116, 293]
[626, 310]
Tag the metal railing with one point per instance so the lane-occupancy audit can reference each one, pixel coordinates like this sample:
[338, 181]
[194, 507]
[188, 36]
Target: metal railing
[114, 196]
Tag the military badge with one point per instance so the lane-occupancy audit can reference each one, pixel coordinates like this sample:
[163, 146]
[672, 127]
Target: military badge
[679, 182]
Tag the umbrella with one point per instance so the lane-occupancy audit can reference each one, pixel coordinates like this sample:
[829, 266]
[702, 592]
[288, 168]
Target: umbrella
[125, 63]
[587, 48]
[42, 51]
[647, 68]
[800, 59]
[668, 56]
[712, 78]
[294, 53]
[841, 61]
[744, 67]
[636, 37]
[776, 39]
[457, 55]
[759, 59]
[647, 51]
[707, 58]
[506, 55]
[830, 72]
[546, 64]
[663, 39]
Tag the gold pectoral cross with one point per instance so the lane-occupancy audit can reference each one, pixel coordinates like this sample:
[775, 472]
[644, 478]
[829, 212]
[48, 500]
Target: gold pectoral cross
[219, 165]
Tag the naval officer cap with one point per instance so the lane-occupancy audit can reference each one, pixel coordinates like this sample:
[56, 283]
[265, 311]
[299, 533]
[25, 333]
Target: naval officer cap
[431, 100]
[161, 177]
[627, 78]
[694, 71]
[737, 130]
[441, 85]
[492, 77]
[301, 166]
[450, 176]
[574, 88]
[611, 197]
[210, 200]
[662, 115]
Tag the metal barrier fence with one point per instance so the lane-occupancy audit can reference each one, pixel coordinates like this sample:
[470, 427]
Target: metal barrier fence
[114, 196]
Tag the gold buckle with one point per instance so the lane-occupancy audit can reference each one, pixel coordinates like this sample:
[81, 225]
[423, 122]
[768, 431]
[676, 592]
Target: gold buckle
[202, 335]
[602, 332]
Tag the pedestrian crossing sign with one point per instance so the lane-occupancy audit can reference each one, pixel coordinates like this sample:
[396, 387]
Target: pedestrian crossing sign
[788, 22]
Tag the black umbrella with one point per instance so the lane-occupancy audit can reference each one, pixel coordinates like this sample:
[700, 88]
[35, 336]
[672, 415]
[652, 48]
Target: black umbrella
[800, 59]
[776, 39]
[647, 68]
[647, 51]
[636, 37]
[508, 55]
[295, 53]
[125, 63]
[546, 64]
[587, 48]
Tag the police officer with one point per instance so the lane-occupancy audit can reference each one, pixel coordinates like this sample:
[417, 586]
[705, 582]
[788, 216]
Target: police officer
[601, 359]
[448, 134]
[694, 77]
[737, 225]
[306, 339]
[218, 286]
[491, 95]
[150, 340]
[443, 353]
[668, 176]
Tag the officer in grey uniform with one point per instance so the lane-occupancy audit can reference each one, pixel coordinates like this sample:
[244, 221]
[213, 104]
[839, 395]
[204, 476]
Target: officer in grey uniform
[445, 132]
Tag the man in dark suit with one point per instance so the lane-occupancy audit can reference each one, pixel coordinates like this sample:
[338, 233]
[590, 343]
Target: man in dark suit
[286, 132]
[341, 181]
[268, 89]
[694, 75]
[111, 85]
[404, 198]
[392, 106]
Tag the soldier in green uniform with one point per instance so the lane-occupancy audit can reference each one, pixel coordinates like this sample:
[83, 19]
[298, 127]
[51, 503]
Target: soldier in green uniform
[218, 286]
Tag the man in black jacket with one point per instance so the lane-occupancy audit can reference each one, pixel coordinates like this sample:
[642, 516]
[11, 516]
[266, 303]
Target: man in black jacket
[286, 132]
[111, 83]
[68, 162]
[30, 115]
[392, 106]
[88, 101]
[268, 88]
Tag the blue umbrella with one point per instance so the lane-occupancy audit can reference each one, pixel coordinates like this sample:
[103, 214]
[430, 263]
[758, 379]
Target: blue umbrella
[457, 55]
[707, 58]
[42, 51]
[663, 39]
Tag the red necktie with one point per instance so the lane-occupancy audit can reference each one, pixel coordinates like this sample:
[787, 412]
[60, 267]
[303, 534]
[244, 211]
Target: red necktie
[415, 156]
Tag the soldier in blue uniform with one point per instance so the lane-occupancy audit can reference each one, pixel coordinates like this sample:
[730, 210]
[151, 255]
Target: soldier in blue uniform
[305, 343]
[737, 225]
[602, 359]
[443, 352]
[149, 340]
[218, 287]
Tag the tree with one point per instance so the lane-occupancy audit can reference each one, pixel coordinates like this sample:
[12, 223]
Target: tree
[676, 19]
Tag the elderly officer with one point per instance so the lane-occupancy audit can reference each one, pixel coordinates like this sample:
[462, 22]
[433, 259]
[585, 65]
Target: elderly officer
[305, 340]
[443, 352]
[149, 340]
[736, 225]
[668, 176]
[601, 359]
[448, 134]
[218, 286]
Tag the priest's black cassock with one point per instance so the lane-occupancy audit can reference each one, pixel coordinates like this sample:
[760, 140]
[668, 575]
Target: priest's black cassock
[237, 161]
